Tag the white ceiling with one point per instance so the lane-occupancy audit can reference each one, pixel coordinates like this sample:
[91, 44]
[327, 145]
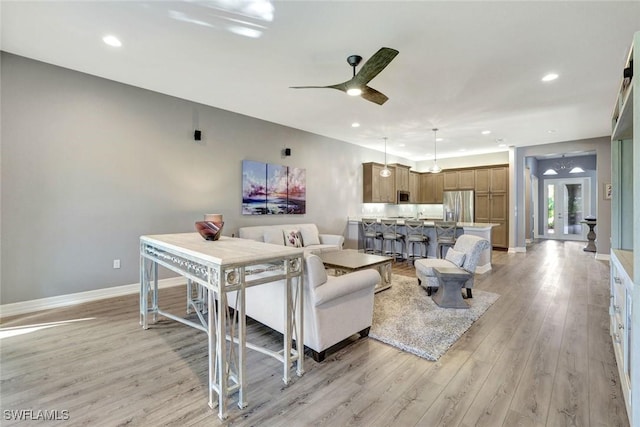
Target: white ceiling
[463, 67]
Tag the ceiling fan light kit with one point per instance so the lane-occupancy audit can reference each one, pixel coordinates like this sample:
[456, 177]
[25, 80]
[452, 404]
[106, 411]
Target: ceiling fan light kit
[357, 85]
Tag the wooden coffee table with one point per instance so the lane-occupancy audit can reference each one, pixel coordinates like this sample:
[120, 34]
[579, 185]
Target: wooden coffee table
[348, 260]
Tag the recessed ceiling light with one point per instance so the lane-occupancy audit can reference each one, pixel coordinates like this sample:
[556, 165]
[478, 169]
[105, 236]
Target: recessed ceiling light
[401, 145]
[355, 125]
[112, 41]
[551, 131]
[439, 139]
[550, 77]
[502, 145]
[486, 132]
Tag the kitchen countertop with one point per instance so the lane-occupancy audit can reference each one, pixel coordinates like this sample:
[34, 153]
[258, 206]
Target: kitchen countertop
[429, 222]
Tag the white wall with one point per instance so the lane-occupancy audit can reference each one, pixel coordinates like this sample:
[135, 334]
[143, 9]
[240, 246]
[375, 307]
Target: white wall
[88, 165]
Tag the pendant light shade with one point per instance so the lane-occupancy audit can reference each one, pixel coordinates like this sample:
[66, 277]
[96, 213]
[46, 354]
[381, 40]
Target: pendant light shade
[385, 173]
[435, 168]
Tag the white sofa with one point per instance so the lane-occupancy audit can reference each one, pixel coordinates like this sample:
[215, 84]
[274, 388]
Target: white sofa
[310, 239]
[335, 308]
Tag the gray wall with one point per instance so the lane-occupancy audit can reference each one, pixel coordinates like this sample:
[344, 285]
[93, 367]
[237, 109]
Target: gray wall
[602, 149]
[89, 165]
[588, 163]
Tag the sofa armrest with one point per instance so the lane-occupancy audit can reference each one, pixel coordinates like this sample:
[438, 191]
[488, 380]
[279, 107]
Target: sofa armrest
[332, 239]
[339, 286]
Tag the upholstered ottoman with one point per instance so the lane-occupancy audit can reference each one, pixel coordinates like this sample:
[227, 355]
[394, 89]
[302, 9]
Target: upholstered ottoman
[464, 254]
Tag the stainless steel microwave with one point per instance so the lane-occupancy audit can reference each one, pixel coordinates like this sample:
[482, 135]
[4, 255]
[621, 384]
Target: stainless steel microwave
[403, 197]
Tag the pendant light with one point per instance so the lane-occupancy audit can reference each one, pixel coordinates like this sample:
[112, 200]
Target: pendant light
[385, 173]
[435, 168]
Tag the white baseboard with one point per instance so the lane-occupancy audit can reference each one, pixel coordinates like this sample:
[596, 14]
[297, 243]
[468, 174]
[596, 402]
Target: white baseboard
[603, 257]
[517, 250]
[23, 307]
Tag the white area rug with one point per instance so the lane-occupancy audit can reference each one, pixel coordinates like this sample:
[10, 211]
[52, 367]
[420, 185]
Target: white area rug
[405, 317]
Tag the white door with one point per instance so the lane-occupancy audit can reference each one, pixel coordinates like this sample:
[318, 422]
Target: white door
[567, 202]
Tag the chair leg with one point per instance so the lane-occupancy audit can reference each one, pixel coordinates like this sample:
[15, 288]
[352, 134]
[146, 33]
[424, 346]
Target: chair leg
[469, 295]
[428, 290]
[365, 332]
[318, 356]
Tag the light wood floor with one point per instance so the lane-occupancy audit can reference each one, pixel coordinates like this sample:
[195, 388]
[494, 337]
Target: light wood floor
[541, 355]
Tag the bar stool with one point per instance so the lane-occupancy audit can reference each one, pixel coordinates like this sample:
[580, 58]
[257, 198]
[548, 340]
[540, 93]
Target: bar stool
[445, 235]
[391, 236]
[415, 235]
[371, 235]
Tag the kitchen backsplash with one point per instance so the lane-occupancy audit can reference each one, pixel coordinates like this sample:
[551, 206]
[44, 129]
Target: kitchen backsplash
[378, 210]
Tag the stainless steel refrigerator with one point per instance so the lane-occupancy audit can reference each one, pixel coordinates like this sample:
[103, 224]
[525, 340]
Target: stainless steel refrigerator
[458, 206]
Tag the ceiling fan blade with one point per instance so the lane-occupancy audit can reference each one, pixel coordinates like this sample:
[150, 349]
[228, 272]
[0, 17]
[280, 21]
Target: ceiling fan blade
[339, 86]
[370, 94]
[375, 64]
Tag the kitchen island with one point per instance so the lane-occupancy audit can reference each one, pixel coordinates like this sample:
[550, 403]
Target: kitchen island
[354, 240]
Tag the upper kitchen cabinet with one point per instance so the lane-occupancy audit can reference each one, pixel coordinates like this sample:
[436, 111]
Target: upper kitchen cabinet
[431, 187]
[463, 179]
[375, 188]
[495, 179]
[402, 177]
[414, 187]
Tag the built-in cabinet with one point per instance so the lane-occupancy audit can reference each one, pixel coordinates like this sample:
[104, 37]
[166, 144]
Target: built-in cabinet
[414, 187]
[375, 188]
[402, 177]
[431, 187]
[459, 179]
[625, 208]
[492, 202]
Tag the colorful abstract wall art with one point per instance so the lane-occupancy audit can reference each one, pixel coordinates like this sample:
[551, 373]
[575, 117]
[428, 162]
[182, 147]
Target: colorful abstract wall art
[269, 189]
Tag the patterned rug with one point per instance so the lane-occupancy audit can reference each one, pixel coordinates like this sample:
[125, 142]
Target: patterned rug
[406, 318]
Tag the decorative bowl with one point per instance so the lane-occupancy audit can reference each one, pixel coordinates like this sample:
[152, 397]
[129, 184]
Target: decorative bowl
[209, 230]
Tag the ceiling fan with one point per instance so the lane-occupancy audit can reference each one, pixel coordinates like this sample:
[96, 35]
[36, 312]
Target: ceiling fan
[357, 86]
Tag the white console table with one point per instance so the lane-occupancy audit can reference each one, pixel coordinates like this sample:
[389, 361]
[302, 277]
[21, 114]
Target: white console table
[219, 267]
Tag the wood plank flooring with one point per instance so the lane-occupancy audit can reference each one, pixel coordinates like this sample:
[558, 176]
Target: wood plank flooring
[540, 356]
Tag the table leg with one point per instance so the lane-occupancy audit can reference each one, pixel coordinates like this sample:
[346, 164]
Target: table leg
[221, 353]
[242, 344]
[299, 325]
[287, 327]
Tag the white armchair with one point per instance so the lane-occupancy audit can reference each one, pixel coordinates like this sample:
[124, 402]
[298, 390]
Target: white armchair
[335, 307]
[464, 254]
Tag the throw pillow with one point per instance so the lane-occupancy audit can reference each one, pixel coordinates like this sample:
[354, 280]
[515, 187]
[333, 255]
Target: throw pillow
[310, 234]
[292, 238]
[455, 257]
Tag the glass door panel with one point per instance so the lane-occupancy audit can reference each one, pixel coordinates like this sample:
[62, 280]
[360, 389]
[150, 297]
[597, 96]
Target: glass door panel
[565, 203]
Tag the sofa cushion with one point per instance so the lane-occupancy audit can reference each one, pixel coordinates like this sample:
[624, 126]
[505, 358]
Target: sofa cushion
[426, 266]
[292, 237]
[455, 257]
[315, 272]
[274, 236]
[310, 235]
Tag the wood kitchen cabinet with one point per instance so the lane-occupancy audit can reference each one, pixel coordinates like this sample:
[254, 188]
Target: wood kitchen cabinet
[402, 177]
[492, 202]
[459, 179]
[431, 187]
[414, 187]
[377, 189]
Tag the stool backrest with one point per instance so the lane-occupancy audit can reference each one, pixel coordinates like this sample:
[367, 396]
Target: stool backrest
[370, 225]
[388, 226]
[414, 227]
[445, 231]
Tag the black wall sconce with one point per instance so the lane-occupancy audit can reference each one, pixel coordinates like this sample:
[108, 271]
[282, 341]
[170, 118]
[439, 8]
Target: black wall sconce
[197, 135]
